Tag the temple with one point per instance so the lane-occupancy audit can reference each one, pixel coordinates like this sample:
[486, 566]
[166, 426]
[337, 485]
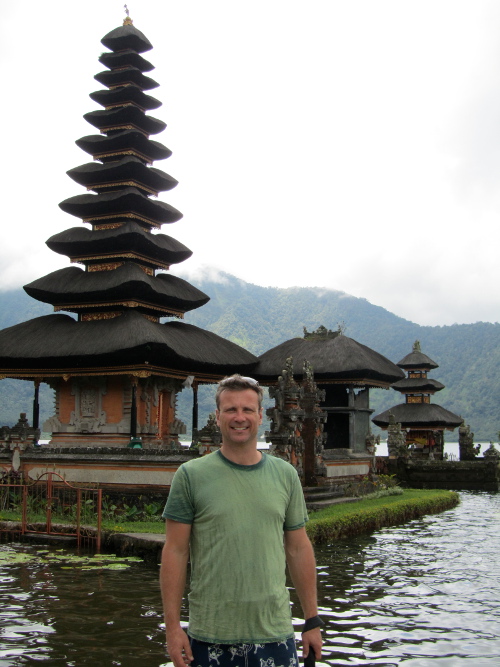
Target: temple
[423, 423]
[115, 366]
[346, 370]
[117, 353]
[342, 372]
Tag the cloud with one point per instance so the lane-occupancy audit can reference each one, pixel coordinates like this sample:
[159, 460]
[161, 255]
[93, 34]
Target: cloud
[351, 146]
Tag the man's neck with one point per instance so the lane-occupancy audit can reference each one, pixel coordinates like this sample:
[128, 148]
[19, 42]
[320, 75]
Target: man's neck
[245, 456]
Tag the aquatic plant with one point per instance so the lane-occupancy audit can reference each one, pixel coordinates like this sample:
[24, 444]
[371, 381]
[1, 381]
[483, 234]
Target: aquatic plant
[65, 560]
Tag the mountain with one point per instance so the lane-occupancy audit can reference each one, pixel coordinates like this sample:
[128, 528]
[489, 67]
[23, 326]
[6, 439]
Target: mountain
[259, 318]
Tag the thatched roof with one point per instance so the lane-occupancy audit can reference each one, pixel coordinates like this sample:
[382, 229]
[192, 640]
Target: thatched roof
[126, 37]
[418, 385]
[107, 119]
[419, 415]
[97, 144]
[125, 95]
[125, 57]
[59, 342]
[81, 241]
[128, 282]
[127, 169]
[126, 200]
[124, 76]
[340, 359]
[417, 359]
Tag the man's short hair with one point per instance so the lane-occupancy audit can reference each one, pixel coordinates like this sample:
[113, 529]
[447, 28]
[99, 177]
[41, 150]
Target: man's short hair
[238, 382]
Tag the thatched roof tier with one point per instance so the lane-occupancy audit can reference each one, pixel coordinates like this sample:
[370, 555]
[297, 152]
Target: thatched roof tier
[80, 242]
[125, 95]
[128, 142]
[125, 76]
[80, 289]
[418, 386]
[417, 360]
[58, 345]
[124, 58]
[339, 359]
[124, 118]
[125, 172]
[128, 202]
[419, 416]
[126, 37]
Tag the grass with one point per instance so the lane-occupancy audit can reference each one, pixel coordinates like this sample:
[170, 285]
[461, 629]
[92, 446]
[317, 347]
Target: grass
[365, 516]
[157, 527]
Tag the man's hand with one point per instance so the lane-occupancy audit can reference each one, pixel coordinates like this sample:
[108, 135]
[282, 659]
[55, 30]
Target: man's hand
[178, 647]
[312, 641]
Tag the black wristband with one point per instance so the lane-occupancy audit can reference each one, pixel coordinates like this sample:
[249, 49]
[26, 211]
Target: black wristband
[311, 623]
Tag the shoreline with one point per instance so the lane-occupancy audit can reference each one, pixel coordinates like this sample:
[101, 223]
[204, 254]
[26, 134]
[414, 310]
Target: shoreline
[333, 523]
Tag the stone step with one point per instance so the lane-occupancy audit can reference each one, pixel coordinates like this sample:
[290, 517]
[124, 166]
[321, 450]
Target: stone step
[321, 492]
[319, 497]
[314, 505]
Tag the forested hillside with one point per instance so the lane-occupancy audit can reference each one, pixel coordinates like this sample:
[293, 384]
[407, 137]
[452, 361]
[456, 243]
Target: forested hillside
[468, 354]
[259, 318]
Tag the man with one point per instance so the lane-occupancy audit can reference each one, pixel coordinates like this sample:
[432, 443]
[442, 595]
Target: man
[240, 514]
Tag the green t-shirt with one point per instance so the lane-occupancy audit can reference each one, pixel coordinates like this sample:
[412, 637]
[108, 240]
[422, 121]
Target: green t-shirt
[238, 513]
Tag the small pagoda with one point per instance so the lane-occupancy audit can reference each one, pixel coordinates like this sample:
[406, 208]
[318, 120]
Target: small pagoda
[115, 365]
[423, 421]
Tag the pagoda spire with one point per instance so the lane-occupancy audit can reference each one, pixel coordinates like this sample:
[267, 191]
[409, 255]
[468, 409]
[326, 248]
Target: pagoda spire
[116, 368]
[120, 256]
[424, 421]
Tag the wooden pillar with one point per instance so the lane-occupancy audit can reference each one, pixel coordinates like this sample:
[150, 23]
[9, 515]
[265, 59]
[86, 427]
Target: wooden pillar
[352, 418]
[133, 410]
[195, 412]
[36, 405]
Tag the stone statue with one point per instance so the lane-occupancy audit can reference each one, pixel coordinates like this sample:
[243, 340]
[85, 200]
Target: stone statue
[396, 439]
[312, 430]
[492, 454]
[468, 451]
[286, 419]
[209, 437]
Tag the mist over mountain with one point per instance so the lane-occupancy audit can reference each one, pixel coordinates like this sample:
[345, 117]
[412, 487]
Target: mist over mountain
[259, 318]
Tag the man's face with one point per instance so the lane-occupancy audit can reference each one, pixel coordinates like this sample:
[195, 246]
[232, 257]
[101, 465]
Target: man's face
[239, 417]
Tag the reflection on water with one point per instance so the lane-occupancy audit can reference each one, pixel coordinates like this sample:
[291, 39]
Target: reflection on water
[79, 617]
[422, 594]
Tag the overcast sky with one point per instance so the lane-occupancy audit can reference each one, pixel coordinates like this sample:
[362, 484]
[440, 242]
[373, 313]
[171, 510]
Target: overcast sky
[346, 144]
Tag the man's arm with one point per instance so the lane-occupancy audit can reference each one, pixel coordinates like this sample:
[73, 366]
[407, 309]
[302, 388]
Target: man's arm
[302, 567]
[174, 561]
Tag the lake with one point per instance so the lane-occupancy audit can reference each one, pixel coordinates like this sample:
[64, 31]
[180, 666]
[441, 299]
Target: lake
[422, 594]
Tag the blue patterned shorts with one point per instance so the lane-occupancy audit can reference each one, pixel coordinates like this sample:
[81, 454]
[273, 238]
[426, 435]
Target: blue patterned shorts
[274, 654]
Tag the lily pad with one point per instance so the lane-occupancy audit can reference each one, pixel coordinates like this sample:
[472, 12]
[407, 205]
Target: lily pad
[66, 560]
[14, 558]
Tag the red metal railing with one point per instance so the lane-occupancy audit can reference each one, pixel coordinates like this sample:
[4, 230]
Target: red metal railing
[49, 505]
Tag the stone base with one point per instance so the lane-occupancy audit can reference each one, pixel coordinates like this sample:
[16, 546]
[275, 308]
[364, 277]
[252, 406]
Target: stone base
[111, 469]
[478, 475]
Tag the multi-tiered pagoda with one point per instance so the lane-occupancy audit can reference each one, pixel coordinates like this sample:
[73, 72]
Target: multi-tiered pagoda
[115, 367]
[424, 422]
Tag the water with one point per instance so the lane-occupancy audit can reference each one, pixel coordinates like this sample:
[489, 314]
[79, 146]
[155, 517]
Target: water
[450, 448]
[423, 594]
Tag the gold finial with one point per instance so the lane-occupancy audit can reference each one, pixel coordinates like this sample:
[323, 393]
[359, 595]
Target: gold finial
[127, 20]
